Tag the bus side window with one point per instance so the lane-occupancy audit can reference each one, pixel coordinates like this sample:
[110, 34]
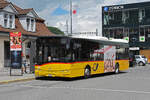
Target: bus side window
[100, 54]
[122, 53]
[117, 56]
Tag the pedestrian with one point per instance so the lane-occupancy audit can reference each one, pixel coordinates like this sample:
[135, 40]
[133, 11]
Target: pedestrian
[49, 58]
[24, 67]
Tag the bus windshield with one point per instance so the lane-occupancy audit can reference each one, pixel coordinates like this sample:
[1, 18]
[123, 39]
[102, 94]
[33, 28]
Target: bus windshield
[53, 50]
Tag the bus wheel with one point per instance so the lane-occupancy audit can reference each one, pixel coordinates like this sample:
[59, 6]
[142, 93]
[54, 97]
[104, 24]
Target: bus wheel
[37, 78]
[87, 72]
[116, 68]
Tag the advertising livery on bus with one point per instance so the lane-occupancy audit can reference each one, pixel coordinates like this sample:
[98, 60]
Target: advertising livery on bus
[70, 56]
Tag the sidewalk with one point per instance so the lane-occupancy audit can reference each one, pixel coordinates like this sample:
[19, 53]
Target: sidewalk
[16, 76]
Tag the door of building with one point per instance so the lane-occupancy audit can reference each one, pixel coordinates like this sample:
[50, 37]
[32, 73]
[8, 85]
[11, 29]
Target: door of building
[6, 54]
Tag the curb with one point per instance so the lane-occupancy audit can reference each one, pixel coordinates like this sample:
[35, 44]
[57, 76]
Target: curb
[17, 80]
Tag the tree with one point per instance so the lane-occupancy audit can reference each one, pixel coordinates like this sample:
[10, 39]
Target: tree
[55, 30]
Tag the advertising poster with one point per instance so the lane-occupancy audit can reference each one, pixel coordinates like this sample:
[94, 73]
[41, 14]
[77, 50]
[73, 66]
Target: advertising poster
[15, 41]
[109, 58]
[16, 50]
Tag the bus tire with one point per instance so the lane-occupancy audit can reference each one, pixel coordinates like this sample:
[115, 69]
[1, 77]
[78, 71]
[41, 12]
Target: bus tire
[117, 68]
[87, 72]
[37, 78]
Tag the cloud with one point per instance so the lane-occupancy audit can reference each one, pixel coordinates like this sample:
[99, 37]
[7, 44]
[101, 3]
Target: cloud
[87, 19]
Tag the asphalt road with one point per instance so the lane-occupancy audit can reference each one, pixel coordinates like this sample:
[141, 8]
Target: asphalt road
[133, 84]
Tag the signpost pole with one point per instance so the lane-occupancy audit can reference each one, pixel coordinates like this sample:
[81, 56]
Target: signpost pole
[10, 71]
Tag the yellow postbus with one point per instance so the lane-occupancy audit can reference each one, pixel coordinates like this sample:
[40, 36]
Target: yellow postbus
[74, 56]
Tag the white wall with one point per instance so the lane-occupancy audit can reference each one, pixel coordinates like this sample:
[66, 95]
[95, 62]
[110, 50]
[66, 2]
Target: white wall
[23, 22]
[2, 39]
[13, 26]
[1, 19]
[9, 9]
[30, 14]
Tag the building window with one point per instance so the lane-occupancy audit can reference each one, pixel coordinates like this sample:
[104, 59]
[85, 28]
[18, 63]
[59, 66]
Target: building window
[141, 14]
[111, 16]
[142, 31]
[111, 33]
[134, 31]
[28, 23]
[32, 24]
[8, 20]
[125, 16]
[126, 32]
[106, 33]
[118, 34]
[5, 20]
[11, 21]
[106, 19]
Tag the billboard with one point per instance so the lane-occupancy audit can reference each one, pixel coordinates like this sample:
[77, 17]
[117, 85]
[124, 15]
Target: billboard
[15, 41]
[16, 50]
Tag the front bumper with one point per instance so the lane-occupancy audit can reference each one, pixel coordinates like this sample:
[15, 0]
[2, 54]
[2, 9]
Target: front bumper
[52, 73]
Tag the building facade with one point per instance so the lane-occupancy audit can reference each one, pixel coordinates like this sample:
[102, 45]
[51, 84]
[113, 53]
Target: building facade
[15, 19]
[130, 22]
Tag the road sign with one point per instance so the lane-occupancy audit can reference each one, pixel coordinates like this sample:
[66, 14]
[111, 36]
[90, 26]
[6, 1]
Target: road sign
[126, 38]
[142, 38]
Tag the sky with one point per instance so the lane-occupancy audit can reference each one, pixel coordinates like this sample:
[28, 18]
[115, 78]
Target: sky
[88, 15]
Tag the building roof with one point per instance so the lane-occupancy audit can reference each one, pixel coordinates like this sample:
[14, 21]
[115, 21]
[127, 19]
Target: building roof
[41, 29]
[3, 5]
[16, 7]
[3, 1]
[24, 11]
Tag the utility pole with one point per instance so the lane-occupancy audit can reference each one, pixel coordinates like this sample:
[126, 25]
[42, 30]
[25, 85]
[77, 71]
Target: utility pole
[96, 32]
[67, 27]
[71, 17]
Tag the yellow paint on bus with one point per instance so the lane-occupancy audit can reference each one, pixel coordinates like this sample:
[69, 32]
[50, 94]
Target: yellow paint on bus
[75, 69]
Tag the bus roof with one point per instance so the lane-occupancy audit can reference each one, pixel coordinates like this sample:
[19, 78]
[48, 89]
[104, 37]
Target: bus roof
[98, 39]
[103, 40]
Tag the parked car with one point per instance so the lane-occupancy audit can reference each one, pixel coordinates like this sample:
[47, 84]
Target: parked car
[141, 60]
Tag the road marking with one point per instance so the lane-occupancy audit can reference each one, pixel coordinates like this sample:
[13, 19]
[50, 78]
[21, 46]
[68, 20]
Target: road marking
[91, 89]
